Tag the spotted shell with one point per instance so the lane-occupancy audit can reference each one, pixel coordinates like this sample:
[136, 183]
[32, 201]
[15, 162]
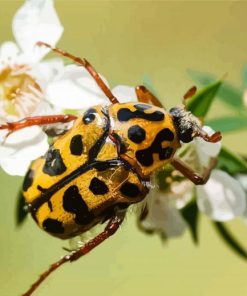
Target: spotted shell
[101, 163]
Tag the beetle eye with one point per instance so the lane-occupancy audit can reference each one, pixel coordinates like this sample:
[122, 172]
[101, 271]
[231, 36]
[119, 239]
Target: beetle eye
[186, 135]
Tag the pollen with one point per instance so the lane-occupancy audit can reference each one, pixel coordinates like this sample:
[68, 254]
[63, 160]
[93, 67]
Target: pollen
[20, 94]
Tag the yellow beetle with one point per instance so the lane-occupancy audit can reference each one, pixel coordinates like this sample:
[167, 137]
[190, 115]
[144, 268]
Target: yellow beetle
[102, 165]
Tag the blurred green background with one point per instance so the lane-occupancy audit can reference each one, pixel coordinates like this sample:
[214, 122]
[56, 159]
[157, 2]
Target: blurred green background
[125, 40]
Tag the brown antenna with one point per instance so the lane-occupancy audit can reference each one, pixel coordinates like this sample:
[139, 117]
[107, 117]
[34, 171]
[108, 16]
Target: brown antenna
[214, 138]
[84, 63]
[190, 93]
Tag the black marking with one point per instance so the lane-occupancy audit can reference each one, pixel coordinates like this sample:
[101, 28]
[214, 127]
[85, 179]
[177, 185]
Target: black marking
[41, 188]
[136, 134]
[50, 205]
[53, 226]
[98, 165]
[28, 181]
[54, 164]
[145, 156]
[130, 190]
[89, 116]
[90, 164]
[74, 203]
[125, 114]
[76, 145]
[95, 149]
[98, 187]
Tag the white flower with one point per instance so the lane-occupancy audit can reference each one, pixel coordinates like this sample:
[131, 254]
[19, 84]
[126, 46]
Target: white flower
[242, 179]
[76, 89]
[23, 82]
[163, 215]
[221, 198]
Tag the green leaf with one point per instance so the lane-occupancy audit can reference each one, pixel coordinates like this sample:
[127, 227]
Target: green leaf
[201, 78]
[228, 123]
[228, 94]
[191, 215]
[21, 212]
[232, 96]
[230, 240]
[230, 162]
[200, 103]
[244, 77]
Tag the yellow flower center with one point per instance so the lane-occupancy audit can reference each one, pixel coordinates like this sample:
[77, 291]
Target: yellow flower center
[19, 93]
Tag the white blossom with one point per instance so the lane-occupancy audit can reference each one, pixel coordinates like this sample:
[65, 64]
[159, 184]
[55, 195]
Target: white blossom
[76, 89]
[222, 197]
[24, 78]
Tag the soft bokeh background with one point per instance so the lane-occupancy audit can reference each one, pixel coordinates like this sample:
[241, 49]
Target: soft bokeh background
[126, 40]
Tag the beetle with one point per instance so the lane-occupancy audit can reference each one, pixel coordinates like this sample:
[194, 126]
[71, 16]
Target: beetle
[99, 167]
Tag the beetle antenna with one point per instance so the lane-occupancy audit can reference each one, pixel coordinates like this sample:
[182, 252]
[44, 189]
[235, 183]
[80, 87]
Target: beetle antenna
[214, 138]
[190, 93]
[84, 63]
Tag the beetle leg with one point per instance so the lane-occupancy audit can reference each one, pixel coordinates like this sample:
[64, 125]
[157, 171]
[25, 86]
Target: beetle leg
[83, 62]
[145, 96]
[36, 120]
[189, 173]
[110, 229]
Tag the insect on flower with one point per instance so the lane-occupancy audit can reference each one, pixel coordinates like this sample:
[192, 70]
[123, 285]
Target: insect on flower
[103, 164]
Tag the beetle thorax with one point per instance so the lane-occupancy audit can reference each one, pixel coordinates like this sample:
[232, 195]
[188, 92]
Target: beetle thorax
[147, 133]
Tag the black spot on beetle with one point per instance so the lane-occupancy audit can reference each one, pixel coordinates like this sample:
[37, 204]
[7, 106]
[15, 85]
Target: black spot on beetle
[98, 187]
[165, 153]
[89, 116]
[125, 114]
[54, 164]
[136, 134]
[74, 203]
[130, 190]
[145, 156]
[76, 145]
[53, 226]
[28, 180]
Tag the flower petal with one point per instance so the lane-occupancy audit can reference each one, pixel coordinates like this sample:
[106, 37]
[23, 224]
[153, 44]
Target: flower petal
[8, 52]
[10, 167]
[21, 148]
[245, 98]
[242, 179]
[75, 89]
[45, 72]
[125, 93]
[221, 198]
[36, 21]
[206, 150]
[163, 216]
[45, 108]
